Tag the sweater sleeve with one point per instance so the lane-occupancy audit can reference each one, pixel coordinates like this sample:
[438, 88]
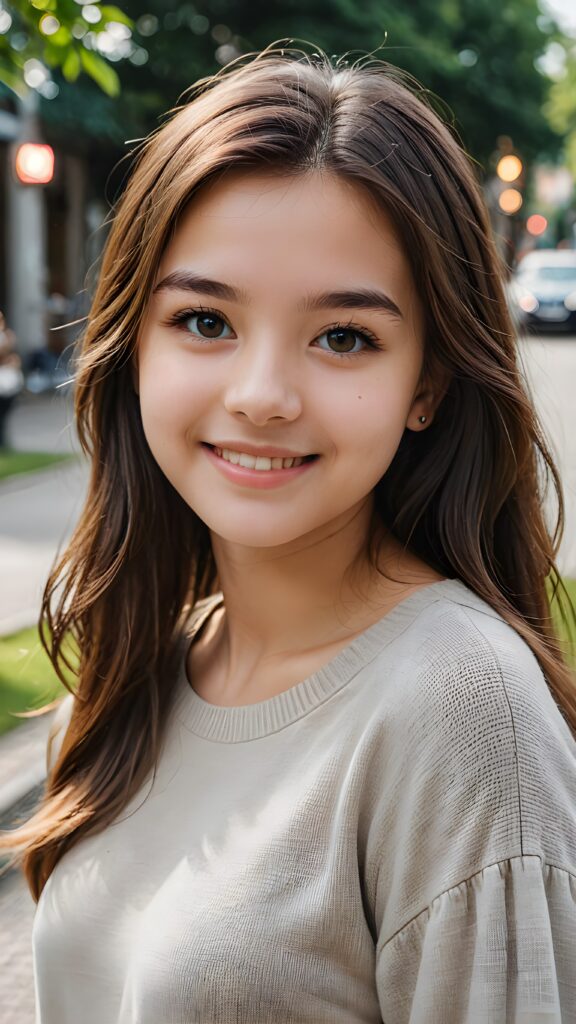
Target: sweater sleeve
[474, 883]
[499, 948]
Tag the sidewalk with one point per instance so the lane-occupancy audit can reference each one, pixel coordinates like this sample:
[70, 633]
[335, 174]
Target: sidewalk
[23, 759]
[37, 512]
[34, 509]
[16, 978]
[37, 509]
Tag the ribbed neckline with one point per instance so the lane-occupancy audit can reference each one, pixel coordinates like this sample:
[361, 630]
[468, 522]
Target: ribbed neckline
[253, 721]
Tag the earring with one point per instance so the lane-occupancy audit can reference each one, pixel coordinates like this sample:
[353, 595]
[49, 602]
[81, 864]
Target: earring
[421, 419]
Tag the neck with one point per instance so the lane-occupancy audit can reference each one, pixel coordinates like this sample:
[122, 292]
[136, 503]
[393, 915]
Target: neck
[317, 591]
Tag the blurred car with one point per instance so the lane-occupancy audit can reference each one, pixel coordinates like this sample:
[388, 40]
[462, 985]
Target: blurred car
[542, 290]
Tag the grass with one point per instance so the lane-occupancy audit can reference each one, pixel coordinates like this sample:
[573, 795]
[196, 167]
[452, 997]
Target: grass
[28, 681]
[568, 632]
[12, 462]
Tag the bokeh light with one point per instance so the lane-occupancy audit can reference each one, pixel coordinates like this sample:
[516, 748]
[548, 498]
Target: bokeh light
[35, 163]
[48, 25]
[509, 168]
[510, 200]
[536, 224]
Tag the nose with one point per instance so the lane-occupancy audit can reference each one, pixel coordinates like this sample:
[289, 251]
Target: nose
[263, 386]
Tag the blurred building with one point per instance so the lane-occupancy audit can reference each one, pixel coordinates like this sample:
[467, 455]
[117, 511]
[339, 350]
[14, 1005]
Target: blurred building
[47, 236]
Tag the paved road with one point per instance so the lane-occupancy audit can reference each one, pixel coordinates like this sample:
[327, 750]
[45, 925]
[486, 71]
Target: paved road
[16, 917]
[16, 984]
[550, 366]
[37, 511]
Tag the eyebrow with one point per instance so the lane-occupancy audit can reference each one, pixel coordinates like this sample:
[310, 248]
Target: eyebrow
[342, 298]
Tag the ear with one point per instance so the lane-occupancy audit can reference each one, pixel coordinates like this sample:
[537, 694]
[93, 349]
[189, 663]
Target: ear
[430, 392]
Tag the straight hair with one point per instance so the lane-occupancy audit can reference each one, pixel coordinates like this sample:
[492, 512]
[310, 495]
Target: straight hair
[466, 495]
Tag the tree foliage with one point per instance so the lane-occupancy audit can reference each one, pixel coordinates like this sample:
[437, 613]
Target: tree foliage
[60, 34]
[561, 105]
[477, 59]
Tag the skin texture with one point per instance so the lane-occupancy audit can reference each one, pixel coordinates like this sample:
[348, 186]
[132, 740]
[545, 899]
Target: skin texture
[272, 375]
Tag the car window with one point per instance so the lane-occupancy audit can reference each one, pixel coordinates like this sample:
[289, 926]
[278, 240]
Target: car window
[549, 273]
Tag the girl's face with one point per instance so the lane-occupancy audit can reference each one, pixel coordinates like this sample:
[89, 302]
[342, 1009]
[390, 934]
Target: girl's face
[284, 316]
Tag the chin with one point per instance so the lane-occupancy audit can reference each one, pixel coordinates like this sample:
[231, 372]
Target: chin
[252, 537]
[253, 530]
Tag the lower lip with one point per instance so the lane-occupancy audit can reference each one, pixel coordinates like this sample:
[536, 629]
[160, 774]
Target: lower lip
[260, 479]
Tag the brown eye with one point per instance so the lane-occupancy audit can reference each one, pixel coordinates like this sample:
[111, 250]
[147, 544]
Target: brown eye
[342, 339]
[209, 325]
[347, 341]
[201, 323]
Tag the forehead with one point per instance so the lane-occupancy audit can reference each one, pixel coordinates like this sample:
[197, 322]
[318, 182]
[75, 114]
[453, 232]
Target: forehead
[258, 229]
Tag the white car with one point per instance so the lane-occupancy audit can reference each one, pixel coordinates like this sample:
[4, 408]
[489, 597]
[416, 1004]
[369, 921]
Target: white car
[542, 290]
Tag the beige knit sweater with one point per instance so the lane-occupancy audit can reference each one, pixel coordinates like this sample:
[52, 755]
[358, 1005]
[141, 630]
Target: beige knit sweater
[392, 839]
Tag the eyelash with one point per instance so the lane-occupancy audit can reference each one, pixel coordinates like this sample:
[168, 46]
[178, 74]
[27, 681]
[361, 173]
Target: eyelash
[179, 319]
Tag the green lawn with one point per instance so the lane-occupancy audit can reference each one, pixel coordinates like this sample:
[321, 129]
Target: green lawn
[569, 635]
[12, 462]
[28, 681]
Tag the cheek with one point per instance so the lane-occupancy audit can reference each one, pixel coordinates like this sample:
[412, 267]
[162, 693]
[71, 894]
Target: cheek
[369, 413]
[169, 393]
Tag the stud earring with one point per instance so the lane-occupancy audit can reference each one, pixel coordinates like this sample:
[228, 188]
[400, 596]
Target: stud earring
[421, 419]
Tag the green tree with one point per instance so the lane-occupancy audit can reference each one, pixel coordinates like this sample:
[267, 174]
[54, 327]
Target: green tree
[64, 34]
[477, 61]
[561, 106]
[478, 56]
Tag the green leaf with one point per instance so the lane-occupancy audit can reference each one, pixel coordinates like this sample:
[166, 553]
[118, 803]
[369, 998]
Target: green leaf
[62, 37]
[44, 5]
[12, 77]
[110, 13]
[71, 66]
[100, 71]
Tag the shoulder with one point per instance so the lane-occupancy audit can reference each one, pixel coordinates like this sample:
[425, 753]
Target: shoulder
[476, 763]
[477, 729]
[469, 668]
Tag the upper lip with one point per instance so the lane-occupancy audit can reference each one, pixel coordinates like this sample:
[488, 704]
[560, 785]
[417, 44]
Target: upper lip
[252, 449]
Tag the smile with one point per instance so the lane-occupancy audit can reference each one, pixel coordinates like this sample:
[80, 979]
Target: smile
[260, 462]
[257, 471]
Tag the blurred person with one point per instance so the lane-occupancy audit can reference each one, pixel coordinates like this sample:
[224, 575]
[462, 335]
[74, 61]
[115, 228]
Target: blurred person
[11, 376]
[319, 763]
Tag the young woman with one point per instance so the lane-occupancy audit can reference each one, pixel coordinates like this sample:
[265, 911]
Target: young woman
[320, 762]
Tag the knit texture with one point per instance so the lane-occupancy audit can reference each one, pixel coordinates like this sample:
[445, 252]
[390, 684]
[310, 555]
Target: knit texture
[392, 839]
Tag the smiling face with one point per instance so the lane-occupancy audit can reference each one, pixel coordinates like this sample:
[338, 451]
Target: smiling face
[284, 316]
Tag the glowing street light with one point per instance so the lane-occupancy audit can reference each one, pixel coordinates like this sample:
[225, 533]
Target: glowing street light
[510, 200]
[536, 224]
[509, 168]
[34, 163]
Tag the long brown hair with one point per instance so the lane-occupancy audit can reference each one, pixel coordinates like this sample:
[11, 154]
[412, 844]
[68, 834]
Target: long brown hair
[465, 495]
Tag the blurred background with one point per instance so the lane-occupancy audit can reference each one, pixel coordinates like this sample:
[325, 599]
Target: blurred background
[80, 82]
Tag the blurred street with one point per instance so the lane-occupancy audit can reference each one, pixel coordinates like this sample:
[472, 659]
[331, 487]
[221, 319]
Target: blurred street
[37, 510]
[550, 368]
[16, 985]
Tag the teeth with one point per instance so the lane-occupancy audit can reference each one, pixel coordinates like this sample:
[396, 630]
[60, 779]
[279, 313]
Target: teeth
[260, 462]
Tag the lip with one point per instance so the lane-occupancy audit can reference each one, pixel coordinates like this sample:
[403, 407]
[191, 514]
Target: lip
[256, 478]
[252, 449]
